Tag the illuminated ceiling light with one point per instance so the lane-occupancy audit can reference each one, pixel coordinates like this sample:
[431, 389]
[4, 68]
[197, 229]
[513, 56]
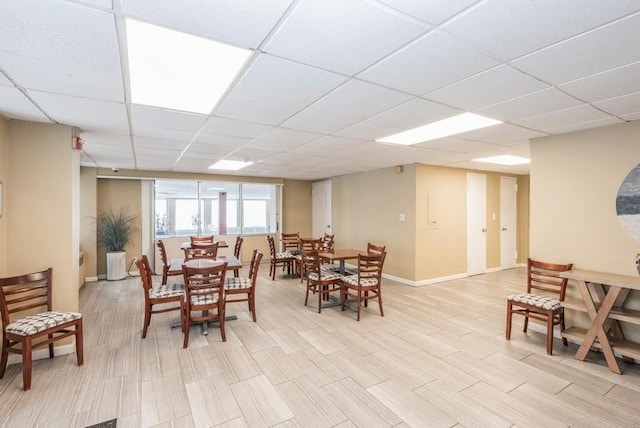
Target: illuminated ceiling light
[443, 128]
[174, 70]
[505, 160]
[230, 165]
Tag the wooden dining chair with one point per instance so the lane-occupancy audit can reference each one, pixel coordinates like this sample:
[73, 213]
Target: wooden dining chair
[309, 245]
[202, 239]
[201, 252]
[30, 323]
[319, 280]
[169, 268]
[204, 297]
[542, 301]
[166, 296]
[236, 287]
[366, 284]
[284, 259]
[237, 251]
[376, 249]
[291, 242]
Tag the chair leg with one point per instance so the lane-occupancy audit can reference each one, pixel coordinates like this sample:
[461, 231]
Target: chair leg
[508, 330]
[563, 328]
[252, 305]
[526, 321]
[306, 297]
[50, 336]
[147, 321]
[4, 358]
[380, 302]
[185, 327]
[79, 343]
[549, 334]
[320, 297]
[164, 278]
[221, 310]
[359, 303]
[26, 363]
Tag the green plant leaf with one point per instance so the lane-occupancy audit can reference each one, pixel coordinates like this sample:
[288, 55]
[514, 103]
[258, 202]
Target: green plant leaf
[115, 229]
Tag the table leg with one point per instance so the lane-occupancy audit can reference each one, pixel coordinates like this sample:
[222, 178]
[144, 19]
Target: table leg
[342, 271]
[596, 329]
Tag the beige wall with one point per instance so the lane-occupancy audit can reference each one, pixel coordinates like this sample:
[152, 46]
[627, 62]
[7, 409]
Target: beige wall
[4, 156]
[115, 195]
[574, 183]
[88, 212]
[522, 209]
[296, 207]
[431, 242]
[41, 204]
[365, 208]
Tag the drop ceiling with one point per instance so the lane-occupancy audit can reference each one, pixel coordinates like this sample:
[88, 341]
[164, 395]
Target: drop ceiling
[326, 78]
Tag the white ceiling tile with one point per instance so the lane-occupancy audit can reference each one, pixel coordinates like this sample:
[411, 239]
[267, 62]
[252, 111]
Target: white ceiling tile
[324, 34]
[503, 134]
[562, 118]
[234, 128]
[347, 105]
[459, 145]
[605, 85]
[144, 117]
[239, 22]
[221, 140]
[414, 113]
[89, 115]
[489, 87]
[431, 11]
[14, 105]
[281, 139]
[328, 146]
[509, 29]
[611, 46]
[4, 81]
[102, 4]
[631, 116]
[528, 105]
[429, 63]
[99, 139]
[274, 89]
[621, 106]
[585, 125]
[160, 144]
[61, 48]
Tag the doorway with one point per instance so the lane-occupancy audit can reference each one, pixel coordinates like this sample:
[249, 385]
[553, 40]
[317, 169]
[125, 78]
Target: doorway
[321, 208]
[508, 203]
[476, 223]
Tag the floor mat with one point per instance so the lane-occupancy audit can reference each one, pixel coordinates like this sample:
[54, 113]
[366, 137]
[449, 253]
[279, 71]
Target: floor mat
[106, 424]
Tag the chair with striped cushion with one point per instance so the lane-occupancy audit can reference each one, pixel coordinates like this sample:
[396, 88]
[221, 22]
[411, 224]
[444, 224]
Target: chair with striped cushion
[319, 280]
[158, 295]
[243, 289]
[38, 326]
[237, 251]
[366, 284]
[542, 301]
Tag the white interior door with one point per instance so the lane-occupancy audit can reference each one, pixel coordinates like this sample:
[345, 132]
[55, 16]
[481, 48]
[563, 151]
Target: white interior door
[508, 203]
[476, 223]
[321, 208]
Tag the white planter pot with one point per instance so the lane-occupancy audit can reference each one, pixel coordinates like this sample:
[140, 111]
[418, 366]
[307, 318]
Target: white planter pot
[116, 266]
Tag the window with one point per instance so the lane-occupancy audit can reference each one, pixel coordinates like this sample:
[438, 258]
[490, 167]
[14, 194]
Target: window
[185, 208]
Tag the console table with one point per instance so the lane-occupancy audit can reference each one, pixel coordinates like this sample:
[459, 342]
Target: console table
[603, 297]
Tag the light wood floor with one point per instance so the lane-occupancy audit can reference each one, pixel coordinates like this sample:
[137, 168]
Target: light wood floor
[438, 358]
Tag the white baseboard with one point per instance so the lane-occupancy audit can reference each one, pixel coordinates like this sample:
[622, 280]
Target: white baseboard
[91, 279]
[41, 354]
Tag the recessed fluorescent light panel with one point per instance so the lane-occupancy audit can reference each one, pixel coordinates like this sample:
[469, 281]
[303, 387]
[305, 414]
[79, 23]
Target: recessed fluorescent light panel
[179, 71]
[443, 128]
[230, 165]
[504, 160]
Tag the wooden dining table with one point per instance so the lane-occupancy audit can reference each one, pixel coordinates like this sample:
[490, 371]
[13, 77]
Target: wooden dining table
[341, 255]
[189, 244]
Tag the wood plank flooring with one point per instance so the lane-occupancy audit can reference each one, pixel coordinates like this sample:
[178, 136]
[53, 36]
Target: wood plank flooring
[438, 358]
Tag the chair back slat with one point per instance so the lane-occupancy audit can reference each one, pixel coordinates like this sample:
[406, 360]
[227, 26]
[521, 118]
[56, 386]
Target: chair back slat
[25, 292]
[202, 252]
[256, 258]
[163, 252]
[145, 274]
[201, 282]
[202, 239]
[545, 277]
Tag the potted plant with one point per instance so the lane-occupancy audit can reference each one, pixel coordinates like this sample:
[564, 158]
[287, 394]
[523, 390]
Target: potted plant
[115, 231]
